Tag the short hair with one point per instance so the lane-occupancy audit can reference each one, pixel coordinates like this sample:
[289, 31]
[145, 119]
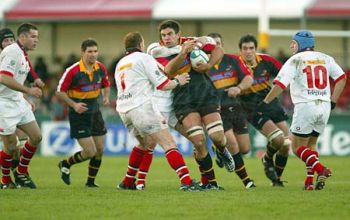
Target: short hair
[25, 28]
[132, 40]
[215, 35]
[170, 24]
[90, 42]
[246, 39]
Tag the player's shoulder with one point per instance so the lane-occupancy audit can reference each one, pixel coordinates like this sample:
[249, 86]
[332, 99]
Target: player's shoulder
[267, 57]
[73, 68]
[12, 49]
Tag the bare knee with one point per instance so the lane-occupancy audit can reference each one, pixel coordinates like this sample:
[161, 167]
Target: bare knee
[90, 152]
[35, 139]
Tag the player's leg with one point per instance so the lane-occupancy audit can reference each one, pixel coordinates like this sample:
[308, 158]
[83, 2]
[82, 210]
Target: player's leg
[174, 158]
[240, 169]
[9, 147]
[34, 134]
[309, 119]
[309, 180]
[275, 140]
[98, 134]
[192, 124]
[21, 140]
[215, 130]
[281, 157]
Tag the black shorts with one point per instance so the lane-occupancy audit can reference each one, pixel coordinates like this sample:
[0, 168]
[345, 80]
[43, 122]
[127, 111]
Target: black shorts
[275, 114]
[198, 96]
[86, 125]
[234, 118]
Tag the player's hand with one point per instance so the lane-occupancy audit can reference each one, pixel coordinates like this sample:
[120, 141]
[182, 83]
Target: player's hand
[233, 91]
[80, 107]
[35, 91]
[39, 83]
[333, 105]
[262, 107]
[183, 78]
[187, 47]
[202, 67]
[105, 101]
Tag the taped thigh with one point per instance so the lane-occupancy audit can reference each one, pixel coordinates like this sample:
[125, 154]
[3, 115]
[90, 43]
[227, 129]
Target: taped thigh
[276, 133]
[214, 127]
[194, 131]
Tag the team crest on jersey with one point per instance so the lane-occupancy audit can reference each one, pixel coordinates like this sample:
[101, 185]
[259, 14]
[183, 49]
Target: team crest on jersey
[229, 67]
[12, 62]
[264, 73]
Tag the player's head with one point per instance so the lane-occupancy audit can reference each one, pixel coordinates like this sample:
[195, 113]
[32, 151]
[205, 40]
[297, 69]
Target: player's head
[169, 33]
[89, 51]
[305, 41]
[134, 40]
[218, 38]
[6, 37]
[248, 45]
[28, 36]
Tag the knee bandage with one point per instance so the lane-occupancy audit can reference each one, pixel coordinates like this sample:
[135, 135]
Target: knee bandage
[274, 135]
[196, 130]
[287, 142]
[214, 127]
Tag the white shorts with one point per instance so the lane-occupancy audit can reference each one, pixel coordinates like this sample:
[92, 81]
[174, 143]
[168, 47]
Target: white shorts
[310, 116]
[13, 114]
[143, 120]
[170, 118]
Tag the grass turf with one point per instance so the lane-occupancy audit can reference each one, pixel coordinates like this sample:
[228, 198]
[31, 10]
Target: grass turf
[162, 199]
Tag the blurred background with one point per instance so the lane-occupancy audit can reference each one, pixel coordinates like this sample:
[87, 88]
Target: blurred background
[64, 24]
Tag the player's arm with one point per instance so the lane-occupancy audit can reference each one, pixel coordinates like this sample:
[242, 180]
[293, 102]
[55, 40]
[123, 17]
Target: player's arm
[79, 107]
[338, 89]
[208, 45]
[246, 82]
[7, 80]
[105, 95]
[179, 80]
[175, 64]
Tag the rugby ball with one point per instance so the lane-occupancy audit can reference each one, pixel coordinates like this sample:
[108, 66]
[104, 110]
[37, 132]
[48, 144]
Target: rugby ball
[198, 56]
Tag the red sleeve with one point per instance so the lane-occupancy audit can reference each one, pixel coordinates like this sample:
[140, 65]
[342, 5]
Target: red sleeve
[280, 84]
[340, 78]
[163, 84]
[6, 73]
[105, 80]
[66, 79]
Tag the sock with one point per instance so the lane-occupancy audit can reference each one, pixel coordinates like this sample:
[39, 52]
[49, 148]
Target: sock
[280, 164]
[310, 158]
[204, 178]
[270, 151]
[94, 166]
[74, 159]
[206, 167]
[135, 159]
[240, 168]
[15, 163]
[27, 153]
[177, 162]
[5, 161]
[310, 173]
[144, 167]
[309, 176]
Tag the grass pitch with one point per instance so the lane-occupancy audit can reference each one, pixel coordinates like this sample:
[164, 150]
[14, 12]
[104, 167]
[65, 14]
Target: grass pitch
[162, 199]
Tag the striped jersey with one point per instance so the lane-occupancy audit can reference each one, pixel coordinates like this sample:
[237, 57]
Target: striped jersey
[84, 86]
[229, 72]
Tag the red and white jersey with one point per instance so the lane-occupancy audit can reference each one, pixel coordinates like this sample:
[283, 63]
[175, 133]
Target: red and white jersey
[162, 99]
[308, 74]
[137, 76]
[13, 63]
